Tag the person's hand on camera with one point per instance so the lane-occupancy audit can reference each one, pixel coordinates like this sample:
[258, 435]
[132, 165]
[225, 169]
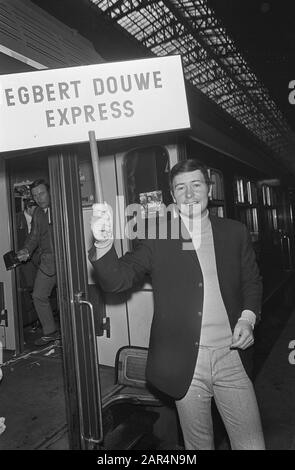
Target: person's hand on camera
[23, 255]
[102, 225]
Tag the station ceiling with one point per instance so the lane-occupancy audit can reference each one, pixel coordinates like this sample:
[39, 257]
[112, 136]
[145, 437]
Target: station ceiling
[237, 53]
[264, 32]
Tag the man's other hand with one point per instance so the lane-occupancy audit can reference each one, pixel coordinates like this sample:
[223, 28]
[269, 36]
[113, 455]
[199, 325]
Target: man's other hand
[243, 335]
[102, 225]
[23, 255]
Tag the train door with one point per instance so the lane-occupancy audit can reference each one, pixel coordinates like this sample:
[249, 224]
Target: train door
[128, 177]
[90, 318]
[143, 179]
[277, 228]
[78, 326]
[112, 323]
[87, 318]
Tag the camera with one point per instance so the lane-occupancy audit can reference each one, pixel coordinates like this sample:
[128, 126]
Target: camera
[11, 260]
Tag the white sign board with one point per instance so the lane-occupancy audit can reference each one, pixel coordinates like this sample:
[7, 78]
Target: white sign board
[120, 99]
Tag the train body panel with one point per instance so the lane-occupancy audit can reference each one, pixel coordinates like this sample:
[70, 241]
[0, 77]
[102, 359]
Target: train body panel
[8, 326]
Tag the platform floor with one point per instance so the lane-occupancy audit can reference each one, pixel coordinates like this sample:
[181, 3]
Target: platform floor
[33, 404]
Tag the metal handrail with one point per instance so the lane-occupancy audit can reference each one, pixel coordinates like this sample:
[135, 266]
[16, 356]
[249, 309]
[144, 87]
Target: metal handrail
[91, 439]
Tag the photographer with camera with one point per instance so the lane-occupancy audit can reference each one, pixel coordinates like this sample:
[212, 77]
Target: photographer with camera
[41, 237]
[28, 270]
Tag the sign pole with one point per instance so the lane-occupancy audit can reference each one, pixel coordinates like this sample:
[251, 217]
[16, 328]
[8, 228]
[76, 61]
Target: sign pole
[95, 167]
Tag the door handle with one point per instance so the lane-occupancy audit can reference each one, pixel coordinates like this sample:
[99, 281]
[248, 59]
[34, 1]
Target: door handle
[93, 440]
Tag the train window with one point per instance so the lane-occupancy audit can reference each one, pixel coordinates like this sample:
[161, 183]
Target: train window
[270, 201]
[146, 172]
[217, 202]
[146, 175]
[269, 196]
[246, 205]
[246, 191]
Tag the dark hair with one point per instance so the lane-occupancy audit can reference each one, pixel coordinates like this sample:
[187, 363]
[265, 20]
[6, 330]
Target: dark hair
[185, 166]
[38, 182]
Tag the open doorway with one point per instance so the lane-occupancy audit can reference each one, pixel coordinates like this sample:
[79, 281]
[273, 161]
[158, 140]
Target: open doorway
[71, 192]
[22, 172]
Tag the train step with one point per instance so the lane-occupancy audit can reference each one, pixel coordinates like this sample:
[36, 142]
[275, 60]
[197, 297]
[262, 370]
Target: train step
[128, 433]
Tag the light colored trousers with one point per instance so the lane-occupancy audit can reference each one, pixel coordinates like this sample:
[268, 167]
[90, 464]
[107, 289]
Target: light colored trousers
[43, 286]
[219, 373]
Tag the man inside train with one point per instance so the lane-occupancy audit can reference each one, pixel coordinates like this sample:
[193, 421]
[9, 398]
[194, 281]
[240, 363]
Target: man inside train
[28, 269]
[207, 300]
[41, 237]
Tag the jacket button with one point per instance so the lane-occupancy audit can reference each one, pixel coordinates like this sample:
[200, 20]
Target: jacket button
[200, 284]
[200, 314]
[196, 343]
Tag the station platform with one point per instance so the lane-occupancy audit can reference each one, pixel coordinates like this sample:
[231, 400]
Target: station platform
[33, 404]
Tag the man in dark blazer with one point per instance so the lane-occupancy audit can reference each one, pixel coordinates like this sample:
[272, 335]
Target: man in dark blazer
[207, 297]
[41, 238]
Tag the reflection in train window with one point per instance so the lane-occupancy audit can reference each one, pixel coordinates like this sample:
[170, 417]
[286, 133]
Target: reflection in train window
[246, 204]
[270, 203]
[217, 201]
